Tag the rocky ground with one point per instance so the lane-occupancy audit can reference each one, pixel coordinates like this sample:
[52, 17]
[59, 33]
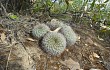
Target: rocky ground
[20, 51]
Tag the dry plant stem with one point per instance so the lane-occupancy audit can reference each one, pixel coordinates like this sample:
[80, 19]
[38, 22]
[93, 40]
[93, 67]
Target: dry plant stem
[7, 3]
[56, 30]
[9, 57]
[46, 64]
[4, 9]
[26, 50]
[103, 62]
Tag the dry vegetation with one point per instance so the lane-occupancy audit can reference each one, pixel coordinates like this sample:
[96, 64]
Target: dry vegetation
[20, 51]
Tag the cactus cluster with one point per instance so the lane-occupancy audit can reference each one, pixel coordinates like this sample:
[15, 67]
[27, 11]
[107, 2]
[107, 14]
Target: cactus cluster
[54, 42]
[40, 30]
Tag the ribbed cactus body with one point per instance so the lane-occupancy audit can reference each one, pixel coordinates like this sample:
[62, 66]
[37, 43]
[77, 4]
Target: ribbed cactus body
[54, 24]
[40, 30]
[69, 34]
[54, 43]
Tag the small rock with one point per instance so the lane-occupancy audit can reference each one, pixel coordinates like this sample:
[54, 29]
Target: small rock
[71, 64]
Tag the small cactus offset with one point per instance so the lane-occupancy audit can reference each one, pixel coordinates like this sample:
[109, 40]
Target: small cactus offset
[40, 30]
[69, 34]
[54, 43]
[54, 24]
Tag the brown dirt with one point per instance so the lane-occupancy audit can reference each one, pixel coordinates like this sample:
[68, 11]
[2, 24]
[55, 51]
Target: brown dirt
[20, 51]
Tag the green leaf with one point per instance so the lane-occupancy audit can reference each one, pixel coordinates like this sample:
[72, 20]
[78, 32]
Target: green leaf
[92, 5]
[106, 1]
[12, 16]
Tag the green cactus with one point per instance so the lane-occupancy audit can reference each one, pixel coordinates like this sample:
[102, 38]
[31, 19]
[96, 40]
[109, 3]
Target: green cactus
[54, 24]
[40, 30]
[69, 34]
[54, 43]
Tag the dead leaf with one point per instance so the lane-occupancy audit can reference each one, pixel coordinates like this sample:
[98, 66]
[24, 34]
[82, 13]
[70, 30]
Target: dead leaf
[71, 64]
[30, 39]
[100, 38]
[94, 69]
[96, 55]
[3, 37]
[93, 55]
[86, 44]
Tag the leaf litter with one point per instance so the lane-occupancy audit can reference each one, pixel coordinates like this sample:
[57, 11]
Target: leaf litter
[22, 51]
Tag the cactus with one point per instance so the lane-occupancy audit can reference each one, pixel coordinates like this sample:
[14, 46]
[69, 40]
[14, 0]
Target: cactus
[40, 30]
[69, 34]
[54, 24]
[54, 43]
